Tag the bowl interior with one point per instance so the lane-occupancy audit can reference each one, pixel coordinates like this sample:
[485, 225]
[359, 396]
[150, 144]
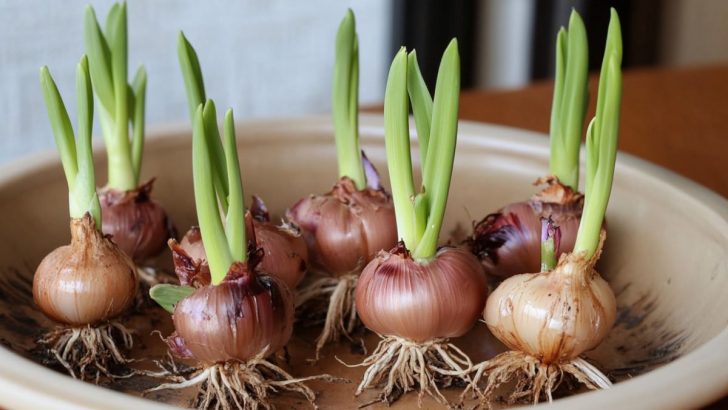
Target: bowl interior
[664, 258]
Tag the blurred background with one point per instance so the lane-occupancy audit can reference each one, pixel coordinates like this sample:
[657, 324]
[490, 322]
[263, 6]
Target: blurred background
[274, 58]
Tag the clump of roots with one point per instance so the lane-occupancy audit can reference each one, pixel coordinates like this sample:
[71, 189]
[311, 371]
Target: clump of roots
[245, 386]
[401, 365]
[341, 318]
[88, 352]
[532, 378]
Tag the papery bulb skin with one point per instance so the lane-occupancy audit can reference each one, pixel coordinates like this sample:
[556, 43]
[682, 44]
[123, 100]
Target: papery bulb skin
[86, 282]
[441, 298]
[553, 316]
[192, 244]
[284, 250]
[190, 260]
[234, 320]
[136, 223]
[508, 242]
[345, 228]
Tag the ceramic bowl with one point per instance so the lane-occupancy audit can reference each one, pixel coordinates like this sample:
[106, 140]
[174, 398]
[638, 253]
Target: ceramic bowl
[666, 259]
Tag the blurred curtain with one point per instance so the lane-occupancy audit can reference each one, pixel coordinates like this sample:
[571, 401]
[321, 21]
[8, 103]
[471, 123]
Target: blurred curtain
[509, 43]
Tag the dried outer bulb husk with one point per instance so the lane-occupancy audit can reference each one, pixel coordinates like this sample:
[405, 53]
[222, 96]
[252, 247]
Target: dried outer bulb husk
[345, 228]
[548, 320]
[416, 307]
[85, 286]
[508, 242]
[136, 223]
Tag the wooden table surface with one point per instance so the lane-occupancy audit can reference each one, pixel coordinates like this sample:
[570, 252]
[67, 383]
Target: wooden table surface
[677, 118]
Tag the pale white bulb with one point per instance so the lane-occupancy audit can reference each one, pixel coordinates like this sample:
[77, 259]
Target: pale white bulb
[553, 316]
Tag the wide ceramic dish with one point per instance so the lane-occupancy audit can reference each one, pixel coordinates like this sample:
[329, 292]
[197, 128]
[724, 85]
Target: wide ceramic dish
[666, 259]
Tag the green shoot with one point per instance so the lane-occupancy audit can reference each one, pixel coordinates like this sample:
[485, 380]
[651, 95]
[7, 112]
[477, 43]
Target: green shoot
[441, 151]
[550, 241]
[77, 159]
[120, 103]
[601, 143]
[195, 86]
[397, 143]
[138, 94]
[569, 102]
[224, 244]
[421, 104]
[236, 211]
[548, 255]
[344, 102]
[420, 215]
[167, 296]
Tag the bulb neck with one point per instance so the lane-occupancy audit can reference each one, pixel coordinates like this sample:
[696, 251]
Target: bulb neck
[84, 230]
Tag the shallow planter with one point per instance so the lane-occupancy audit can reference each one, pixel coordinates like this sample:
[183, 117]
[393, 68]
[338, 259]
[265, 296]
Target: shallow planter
[666, 259]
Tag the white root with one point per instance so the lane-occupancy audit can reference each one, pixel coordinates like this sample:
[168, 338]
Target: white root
[400, 365]
[87, 352]
[238, 385]
[532, 378]
[341, 317]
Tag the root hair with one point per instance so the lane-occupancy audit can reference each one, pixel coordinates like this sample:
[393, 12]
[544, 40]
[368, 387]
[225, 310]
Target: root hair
[341, 317]
[247, 386]
[88, 352]
[400, 365]
[532, 378]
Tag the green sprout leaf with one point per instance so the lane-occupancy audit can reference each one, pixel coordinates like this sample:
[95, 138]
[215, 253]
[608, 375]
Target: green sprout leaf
[194, 84]
[191, 73]
[569, 102]
[344, 102]
[77, 158]
[235, 223]
[441, 151]
[213, 233]
[100, 60]
[601, 144]
[167, 296]
[397, 143]
[108, 61]
[421, 105]
[139, 91]
[419, 216]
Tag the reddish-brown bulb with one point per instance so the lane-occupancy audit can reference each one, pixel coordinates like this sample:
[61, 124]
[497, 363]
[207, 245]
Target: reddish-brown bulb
[345, 228]
[284, 253]
[440, 298]
[234, 320]
[139, 225]
[508, 242]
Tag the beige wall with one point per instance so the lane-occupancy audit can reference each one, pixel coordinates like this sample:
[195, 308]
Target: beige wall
[694, 32]
[263, 58]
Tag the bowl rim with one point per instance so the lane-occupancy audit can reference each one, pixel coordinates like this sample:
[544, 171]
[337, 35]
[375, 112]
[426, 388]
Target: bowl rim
[39, 386]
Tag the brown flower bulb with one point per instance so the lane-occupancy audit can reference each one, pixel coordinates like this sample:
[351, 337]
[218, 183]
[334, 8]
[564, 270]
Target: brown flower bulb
[508, 242]
[86, 282]
[234, 320]
[441, 298]
[345, 228]
[139, 225]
